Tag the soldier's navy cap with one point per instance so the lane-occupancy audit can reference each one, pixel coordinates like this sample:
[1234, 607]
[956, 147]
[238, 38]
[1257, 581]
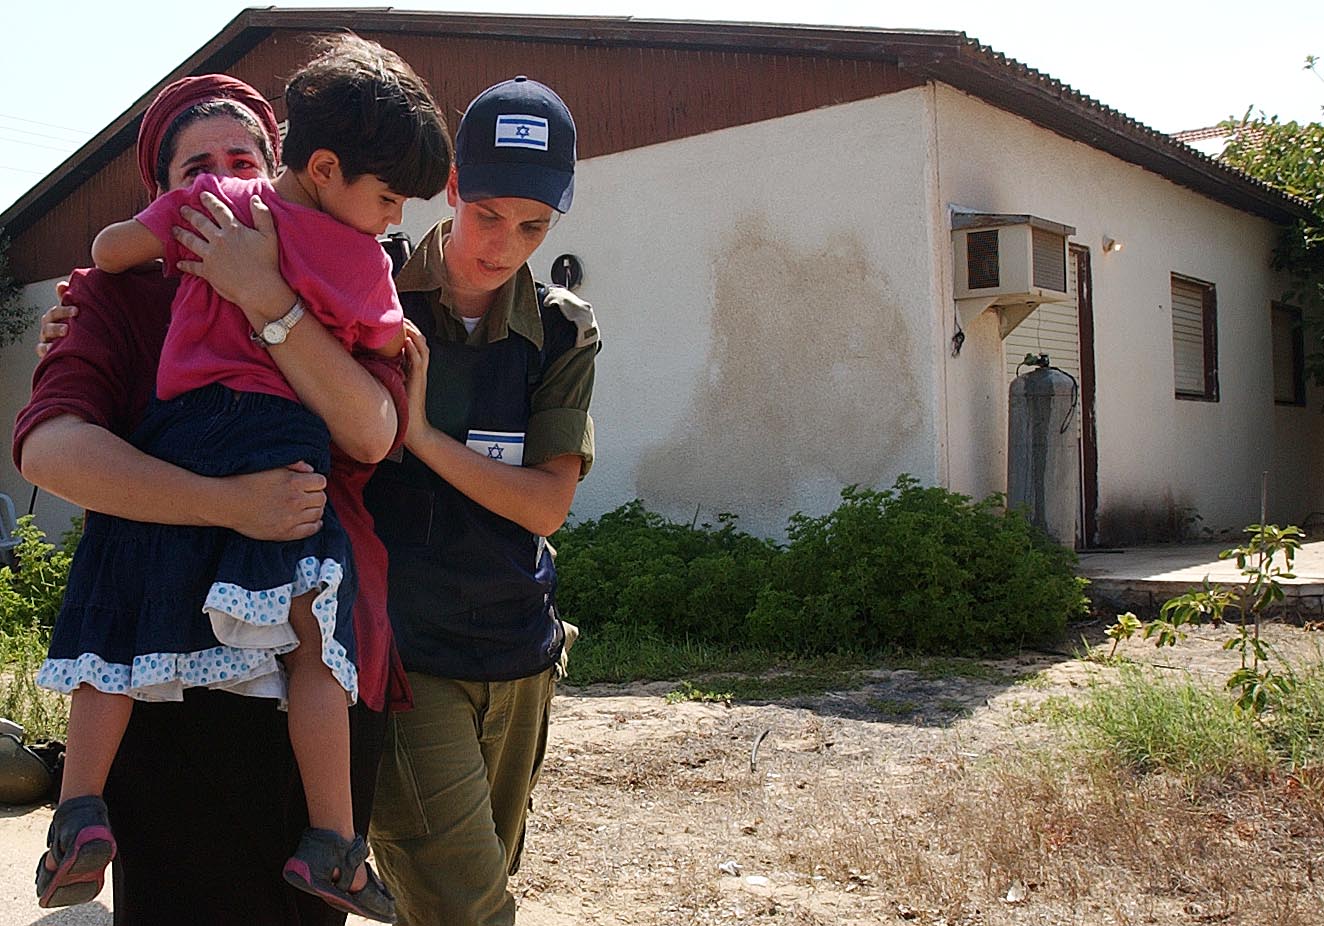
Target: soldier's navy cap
[517, 139]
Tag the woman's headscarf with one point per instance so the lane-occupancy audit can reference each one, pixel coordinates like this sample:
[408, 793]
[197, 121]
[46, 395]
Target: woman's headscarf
[182, 94]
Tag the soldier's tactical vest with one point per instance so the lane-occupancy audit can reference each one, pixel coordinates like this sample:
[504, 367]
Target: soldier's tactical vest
[472, 594]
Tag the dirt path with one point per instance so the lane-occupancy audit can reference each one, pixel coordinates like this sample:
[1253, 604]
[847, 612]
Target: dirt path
[652, 814]
[649, 814]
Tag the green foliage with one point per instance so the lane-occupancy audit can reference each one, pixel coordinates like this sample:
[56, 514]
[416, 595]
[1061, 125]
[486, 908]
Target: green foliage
[1296, 719]
[909, 568]
[1172, 726]
[937, 668]
[1152, 724]
[917, 569]
[894, 707]
[30, 598]
[1289, 156]
[1256, 682]
[15, 316]
[635, 568]
[43, 714]
[31, 593]
[621, 653]
[1126, 627]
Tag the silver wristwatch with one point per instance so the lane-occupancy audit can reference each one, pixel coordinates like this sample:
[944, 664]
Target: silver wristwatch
[275, 332]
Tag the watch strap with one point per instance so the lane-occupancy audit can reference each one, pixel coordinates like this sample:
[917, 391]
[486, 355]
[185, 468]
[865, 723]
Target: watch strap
[286, 321]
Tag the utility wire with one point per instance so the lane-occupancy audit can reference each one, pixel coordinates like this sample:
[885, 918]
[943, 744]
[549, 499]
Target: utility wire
[49, 125]
[33, 144]
[11, 128]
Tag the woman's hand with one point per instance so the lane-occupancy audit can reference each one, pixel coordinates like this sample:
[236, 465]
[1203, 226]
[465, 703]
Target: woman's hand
[52, 321]
[242, 264]
[276, 504]
[416, 381]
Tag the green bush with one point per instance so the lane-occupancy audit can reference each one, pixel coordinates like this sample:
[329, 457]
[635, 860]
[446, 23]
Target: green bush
[636, 568]
[30, 598]
[32, 592]
[913, 568]
[919, 569]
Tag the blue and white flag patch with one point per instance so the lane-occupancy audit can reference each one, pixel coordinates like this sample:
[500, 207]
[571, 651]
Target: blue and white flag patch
[520, 131]
[502, 446]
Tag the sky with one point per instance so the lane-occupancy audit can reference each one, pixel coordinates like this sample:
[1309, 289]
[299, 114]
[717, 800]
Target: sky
[70, 67]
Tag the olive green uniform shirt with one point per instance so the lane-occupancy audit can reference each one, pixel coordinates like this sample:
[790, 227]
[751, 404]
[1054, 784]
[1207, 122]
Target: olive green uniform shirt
[559, 421]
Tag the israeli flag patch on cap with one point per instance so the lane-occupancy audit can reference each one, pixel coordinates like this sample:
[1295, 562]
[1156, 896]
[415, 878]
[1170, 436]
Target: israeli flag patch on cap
[519, 131]
[502, 446]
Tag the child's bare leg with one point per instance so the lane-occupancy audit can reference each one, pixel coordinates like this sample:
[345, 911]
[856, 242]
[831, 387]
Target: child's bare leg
[319, 729]
[97, 722]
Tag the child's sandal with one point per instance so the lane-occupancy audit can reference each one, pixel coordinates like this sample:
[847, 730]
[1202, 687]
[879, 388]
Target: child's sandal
[312, 869]
[80, 844]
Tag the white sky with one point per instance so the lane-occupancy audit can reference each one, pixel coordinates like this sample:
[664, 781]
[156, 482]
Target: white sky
[69, 67]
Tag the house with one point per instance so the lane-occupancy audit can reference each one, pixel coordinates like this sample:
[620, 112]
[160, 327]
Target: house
[776, 225]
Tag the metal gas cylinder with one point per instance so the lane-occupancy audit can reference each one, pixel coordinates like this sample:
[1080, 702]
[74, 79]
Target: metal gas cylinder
[1043, 456]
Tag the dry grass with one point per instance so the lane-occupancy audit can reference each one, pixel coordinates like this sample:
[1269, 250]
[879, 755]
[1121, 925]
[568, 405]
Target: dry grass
[864, 821]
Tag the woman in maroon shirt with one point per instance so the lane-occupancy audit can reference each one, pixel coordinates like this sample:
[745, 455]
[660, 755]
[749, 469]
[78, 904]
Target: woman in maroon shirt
[204, 793]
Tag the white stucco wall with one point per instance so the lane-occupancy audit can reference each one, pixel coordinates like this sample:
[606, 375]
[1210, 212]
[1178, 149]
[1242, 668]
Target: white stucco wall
[762, 293]
[16, 365]
[1157, 454]
[765, 295]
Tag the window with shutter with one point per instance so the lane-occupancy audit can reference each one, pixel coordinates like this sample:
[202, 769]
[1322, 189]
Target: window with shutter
[1289, 356]
[1194, 339]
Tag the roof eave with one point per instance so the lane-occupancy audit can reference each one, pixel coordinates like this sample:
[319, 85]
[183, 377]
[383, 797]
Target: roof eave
[229, 45]
[950, 57]
[1012, 86]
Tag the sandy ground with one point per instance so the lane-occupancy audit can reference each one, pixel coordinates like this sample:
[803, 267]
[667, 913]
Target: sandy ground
[652, 814]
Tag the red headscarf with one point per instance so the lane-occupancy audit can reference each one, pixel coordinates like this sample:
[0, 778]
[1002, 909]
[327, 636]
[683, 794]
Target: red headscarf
[179, 96]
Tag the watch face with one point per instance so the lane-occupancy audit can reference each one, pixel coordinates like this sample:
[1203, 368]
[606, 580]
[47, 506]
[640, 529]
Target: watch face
[273, 333]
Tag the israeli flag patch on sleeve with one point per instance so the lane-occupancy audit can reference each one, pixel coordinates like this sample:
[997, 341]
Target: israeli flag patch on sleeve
[520, 131]
[502, 446]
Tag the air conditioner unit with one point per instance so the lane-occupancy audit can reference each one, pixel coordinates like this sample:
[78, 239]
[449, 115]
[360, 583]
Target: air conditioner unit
[1009, 259]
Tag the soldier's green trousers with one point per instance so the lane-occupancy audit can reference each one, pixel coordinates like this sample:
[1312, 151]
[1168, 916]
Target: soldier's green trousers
[453, 793]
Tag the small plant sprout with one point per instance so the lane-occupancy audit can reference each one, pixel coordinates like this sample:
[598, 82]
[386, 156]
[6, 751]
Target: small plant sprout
[1125, 628]
[1265, 560]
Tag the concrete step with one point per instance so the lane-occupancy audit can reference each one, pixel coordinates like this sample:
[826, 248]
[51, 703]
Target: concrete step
[1141, 579]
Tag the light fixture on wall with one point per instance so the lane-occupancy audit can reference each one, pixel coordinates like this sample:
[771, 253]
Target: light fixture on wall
[568, 271]
[1111, 244]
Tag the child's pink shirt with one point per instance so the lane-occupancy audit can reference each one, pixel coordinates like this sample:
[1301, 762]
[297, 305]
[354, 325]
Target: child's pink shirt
[342, 275]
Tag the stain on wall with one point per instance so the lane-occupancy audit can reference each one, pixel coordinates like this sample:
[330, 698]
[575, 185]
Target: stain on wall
[812, 382]
[1160, 519]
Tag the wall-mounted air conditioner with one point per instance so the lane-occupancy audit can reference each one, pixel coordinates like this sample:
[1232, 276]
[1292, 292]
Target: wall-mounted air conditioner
[1010, 262]
[1003, 256]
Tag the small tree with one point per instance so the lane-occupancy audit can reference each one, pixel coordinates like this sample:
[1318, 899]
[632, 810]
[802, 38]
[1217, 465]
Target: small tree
[1289, 156]
[15, 316]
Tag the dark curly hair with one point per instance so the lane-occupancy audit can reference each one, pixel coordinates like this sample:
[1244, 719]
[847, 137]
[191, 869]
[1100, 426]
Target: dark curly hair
[364, 103]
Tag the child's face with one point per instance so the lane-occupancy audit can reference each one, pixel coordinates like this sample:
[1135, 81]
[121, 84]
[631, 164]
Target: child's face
[492, 238]
[365, 203]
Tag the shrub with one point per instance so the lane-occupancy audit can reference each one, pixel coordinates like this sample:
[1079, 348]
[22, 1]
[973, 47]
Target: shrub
[16, 317]
[30, 598]
[32, 592]
[636, 568]
[920, 569]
